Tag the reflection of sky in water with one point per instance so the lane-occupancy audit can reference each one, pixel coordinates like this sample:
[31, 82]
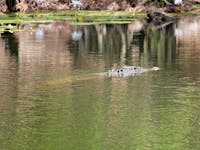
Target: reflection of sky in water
[76, 35]
[50, 26]
[178, 32]
[39, 34]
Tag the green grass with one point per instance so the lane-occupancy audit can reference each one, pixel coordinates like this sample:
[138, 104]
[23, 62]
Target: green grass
[73, 16]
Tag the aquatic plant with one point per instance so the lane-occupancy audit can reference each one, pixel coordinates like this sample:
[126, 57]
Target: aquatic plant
[7, 28]
[74, 17]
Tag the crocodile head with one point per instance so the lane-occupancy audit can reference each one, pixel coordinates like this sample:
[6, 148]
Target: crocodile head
[155, 68]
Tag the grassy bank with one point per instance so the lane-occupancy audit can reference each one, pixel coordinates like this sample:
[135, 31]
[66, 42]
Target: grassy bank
[75, 17]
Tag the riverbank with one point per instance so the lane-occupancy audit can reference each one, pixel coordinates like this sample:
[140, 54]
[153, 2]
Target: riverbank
[76, 16]
[85, 12]
[174, 6]
[79, 17]
[9, 21]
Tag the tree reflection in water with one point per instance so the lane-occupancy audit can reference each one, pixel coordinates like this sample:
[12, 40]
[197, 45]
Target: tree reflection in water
[133, 44]
[154, 111]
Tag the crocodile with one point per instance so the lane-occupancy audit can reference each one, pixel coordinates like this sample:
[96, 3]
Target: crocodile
[126, 71]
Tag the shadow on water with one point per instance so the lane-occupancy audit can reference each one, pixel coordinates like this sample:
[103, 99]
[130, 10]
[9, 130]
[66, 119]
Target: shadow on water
[12, 44]
[10, 39]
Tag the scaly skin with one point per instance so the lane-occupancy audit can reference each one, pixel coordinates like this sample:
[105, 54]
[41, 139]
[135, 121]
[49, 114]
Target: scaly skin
[126, 71]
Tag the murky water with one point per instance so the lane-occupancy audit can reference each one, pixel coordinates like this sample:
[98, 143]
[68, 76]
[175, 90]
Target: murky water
[50, 98]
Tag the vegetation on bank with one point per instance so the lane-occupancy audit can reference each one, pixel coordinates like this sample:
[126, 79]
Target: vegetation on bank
[130, 10]
[9, 21]
[74, 16]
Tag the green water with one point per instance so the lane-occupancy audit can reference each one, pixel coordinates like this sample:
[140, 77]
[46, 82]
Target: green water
[50, 98]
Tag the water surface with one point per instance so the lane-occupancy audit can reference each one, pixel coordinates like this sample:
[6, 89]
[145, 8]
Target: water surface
[51, 99]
